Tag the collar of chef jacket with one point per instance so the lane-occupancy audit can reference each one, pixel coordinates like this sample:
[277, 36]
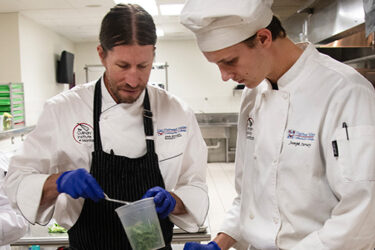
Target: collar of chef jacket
[289, 78]
[108, 102]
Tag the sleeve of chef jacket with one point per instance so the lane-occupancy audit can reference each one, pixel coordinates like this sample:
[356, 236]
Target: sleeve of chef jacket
[30, 167]
[231, 223]
[351, 174]
[191, 186]
[12, 224]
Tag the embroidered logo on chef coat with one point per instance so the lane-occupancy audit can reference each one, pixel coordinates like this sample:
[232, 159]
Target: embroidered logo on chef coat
[171, 133]
[83, 133]
[249, 129]
[298, 138]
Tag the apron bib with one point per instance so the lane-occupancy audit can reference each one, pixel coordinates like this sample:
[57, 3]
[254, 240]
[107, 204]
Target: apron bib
[122, 178]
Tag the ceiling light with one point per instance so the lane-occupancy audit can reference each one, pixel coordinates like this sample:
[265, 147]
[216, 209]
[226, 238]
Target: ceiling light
[171, 9]
[159, 32]
[148, 5]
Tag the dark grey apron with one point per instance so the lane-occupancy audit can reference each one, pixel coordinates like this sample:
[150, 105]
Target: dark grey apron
[122, 178]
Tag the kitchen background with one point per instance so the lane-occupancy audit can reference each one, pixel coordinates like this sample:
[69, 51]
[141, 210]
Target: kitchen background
[34, 33]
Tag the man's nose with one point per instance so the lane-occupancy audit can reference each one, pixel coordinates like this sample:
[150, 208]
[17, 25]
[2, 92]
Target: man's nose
[225, 75]
[132, 78]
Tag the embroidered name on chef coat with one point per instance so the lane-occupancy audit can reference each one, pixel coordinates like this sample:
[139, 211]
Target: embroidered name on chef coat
[249, 129]
[83, 133]
[301, 139]
[172, 133]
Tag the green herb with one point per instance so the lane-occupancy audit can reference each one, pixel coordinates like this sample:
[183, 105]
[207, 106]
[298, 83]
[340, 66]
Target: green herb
[56, 228]
[144, 236]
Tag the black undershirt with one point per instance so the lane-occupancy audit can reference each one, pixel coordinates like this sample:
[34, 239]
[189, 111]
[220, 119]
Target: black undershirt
[274, 86]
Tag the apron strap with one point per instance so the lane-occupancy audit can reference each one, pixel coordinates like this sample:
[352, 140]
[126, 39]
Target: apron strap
[147, 119]
[147, 123]
[97, 111]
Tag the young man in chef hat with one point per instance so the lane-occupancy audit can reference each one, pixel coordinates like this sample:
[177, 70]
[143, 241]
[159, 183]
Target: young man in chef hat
[305, 160]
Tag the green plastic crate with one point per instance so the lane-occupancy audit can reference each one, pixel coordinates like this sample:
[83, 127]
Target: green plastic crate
[4, 94]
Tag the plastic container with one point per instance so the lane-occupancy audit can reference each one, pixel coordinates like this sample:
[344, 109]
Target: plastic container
[141, 224]
[34, 247]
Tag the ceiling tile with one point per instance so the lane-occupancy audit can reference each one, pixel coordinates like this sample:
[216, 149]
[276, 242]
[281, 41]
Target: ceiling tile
[77, 22]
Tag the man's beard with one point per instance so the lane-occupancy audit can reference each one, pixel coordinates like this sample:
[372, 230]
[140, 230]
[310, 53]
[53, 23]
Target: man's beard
[124, 99]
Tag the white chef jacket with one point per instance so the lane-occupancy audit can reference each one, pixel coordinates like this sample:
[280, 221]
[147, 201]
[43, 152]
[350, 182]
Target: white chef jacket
[12, 224]
[293, 192]
[63, 140]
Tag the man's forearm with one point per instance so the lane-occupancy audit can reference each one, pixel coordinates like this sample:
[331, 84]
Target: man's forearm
[224, 241]
[50, 192]
[180, 207]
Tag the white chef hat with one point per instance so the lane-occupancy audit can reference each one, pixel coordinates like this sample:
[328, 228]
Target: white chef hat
[218, 24]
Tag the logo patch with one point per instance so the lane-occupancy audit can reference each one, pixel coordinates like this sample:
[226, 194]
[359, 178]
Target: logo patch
[301, 139]
[172, 133]
[83, 133]
[249, 129]
[294, 134]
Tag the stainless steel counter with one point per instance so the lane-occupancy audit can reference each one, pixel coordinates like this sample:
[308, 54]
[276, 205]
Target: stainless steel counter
[43, 238]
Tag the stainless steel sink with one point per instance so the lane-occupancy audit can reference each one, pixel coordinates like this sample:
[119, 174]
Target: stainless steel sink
[216, 127]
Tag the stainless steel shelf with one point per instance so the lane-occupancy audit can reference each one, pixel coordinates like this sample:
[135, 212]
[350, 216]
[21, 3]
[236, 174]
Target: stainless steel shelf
[14, 132]
[360, 59]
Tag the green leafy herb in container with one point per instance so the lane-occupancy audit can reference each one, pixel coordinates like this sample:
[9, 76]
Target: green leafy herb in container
[144, 236]
[56, 228]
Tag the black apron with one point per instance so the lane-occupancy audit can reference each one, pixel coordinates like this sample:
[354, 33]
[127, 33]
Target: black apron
[122, 178]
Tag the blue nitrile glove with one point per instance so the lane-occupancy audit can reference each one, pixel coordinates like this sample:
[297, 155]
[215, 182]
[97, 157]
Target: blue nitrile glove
[79, 183]
[164, 202]
[196, 246]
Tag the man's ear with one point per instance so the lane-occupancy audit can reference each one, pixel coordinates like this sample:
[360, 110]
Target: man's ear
[102, 54]
[264, 37]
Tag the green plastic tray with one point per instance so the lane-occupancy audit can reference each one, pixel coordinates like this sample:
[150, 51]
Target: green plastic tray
[18, 112]
[17, 99]
[20, 105]
[16, 85]
[4, 102]
[18, 118]
[4, 88]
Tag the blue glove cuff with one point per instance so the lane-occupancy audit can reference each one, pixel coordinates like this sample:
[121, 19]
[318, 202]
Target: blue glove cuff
[214, 245]
[58, 181]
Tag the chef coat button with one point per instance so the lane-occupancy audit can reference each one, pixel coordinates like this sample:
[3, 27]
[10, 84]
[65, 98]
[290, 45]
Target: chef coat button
[276, 220]
[255, 157]
[251, 216]
[285, 96]
[274, 162]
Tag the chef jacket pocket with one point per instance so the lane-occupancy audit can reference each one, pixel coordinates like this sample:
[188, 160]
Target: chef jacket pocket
[167, 158]
[356, 152]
